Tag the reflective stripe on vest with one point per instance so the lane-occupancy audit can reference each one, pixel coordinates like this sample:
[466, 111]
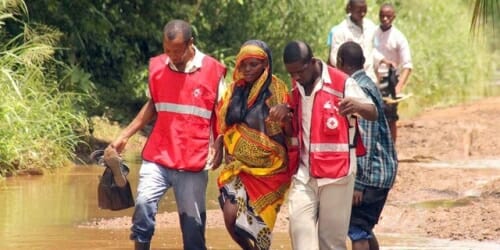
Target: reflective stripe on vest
[294, 141]
[333, 91]
[183, 109]
[329, 147]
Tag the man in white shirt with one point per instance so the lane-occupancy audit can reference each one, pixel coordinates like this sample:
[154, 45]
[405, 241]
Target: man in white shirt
[391, 50]
[356, 28]
[321, 194]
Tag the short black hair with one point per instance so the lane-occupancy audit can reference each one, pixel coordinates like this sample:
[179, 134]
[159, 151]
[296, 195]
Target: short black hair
[351, 2]
[176, 26]
[351, 54]
[297, 51]
[390, 5]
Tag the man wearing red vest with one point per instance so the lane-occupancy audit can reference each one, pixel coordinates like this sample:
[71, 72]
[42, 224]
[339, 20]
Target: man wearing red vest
[184, 87]
[326, 103]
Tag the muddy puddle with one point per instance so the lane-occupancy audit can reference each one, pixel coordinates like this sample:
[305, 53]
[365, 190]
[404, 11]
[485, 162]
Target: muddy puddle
[46, 212]
[466, 164]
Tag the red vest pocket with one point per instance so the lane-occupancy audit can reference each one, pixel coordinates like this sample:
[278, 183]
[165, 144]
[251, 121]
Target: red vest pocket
[329, 165]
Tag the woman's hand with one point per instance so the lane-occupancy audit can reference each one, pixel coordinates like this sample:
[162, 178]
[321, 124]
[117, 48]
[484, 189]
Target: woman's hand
[215, 153]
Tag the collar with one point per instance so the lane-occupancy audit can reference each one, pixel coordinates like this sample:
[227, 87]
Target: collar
[352, 25]
[384, 31]
[357, 73]
[192, 65]
[325, 76]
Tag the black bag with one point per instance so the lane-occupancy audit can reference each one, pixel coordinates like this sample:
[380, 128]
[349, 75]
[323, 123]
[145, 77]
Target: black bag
[109, 195]
[388, 84]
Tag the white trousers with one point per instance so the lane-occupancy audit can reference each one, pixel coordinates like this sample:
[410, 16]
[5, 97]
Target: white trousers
[319, 216]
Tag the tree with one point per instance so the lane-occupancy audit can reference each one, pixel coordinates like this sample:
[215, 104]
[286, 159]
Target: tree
[483, 10]
[111, 40]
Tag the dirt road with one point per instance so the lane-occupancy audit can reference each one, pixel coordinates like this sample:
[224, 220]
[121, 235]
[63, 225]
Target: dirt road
[448, 183]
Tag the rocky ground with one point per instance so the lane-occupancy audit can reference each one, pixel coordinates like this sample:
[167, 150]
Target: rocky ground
[448, 183]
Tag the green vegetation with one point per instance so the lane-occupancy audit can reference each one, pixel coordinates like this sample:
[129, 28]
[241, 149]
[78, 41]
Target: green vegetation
[104, 46]
[450, 65]
[485, 12]
[112, 41]
[37, 120]
[224, 25]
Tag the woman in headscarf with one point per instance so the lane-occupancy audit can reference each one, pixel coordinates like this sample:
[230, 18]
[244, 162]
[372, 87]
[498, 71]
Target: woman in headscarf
[253, 120]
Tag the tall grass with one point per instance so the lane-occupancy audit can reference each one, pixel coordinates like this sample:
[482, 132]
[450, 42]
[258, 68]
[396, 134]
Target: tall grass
[38, 123]
[450, 65]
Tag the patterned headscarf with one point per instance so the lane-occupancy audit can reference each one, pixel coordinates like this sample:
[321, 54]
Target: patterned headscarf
[251, 49]
[257, 176]
[234, 110]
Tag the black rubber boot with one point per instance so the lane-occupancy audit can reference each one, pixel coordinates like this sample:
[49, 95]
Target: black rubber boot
[141, 246]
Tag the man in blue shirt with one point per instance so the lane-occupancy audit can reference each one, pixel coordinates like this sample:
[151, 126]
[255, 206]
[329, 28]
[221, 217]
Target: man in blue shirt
[377, 169]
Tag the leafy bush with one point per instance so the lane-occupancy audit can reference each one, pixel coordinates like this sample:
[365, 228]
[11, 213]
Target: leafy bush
[113, 40]
[38, 122]
[108, 43]
[225, 25]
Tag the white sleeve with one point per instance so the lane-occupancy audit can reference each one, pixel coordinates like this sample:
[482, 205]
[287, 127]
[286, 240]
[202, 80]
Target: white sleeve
[338, 38]
[353, 90]
[377, 55]
[404, 53]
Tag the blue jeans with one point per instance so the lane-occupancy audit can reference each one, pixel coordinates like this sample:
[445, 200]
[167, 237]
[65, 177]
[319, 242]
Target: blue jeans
[190, 195]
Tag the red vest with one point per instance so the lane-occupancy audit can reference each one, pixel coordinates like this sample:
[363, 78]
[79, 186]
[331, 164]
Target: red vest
[184, 104]
[329, 133]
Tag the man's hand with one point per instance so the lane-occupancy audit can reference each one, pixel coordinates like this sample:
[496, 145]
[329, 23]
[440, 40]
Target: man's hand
[357, 198]
[388, 63]
[279, 113]
[351, 106]
[119, 144]
[282, 113]
[348, 106]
